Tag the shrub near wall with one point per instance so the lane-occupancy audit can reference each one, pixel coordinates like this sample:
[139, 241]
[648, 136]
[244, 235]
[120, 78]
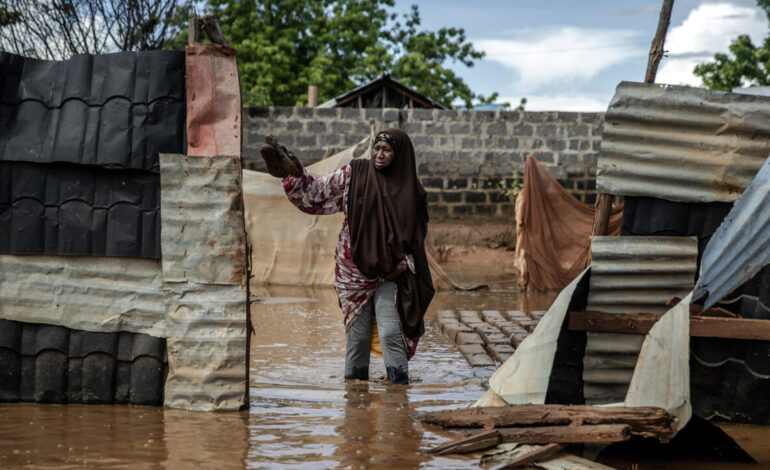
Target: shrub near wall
[467, 160]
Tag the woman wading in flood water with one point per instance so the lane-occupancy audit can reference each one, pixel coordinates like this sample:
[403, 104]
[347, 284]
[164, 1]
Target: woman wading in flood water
[381, 269]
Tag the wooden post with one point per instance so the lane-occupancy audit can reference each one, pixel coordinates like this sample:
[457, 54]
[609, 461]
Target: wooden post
[604, 201]
[194, 31]
[312, 96]
[214, 32]
[656, 48]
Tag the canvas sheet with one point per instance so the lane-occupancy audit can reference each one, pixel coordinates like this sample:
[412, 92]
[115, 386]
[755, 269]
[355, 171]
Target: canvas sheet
[289, 247]
[553, 231]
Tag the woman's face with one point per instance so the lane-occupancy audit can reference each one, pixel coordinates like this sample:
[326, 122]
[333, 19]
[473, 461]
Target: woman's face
[382, 155]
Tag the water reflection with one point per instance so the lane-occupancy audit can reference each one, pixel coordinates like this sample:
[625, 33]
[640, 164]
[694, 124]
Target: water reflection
[376, 430]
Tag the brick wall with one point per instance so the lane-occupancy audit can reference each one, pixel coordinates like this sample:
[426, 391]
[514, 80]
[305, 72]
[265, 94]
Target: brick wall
[468, 161]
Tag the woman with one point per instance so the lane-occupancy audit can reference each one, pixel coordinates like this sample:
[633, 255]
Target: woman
[381, 271]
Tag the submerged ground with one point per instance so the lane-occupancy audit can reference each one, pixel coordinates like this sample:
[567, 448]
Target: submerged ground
[302, 414]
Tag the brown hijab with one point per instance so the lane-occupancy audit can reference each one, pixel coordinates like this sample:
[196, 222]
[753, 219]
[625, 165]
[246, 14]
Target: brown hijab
[388, 218]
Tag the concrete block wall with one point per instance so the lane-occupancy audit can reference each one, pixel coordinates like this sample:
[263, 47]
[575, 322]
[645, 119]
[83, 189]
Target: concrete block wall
[468, 161]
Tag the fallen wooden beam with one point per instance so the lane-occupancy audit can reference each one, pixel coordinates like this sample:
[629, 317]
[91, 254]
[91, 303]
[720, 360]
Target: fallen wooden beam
[584, 434]
[472, 443]
[700, 326]
[643, 421]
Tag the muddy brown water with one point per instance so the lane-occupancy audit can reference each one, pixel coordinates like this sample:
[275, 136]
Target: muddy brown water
[301, 415]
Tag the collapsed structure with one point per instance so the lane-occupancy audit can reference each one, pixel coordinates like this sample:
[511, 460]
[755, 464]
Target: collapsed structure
[675, 313]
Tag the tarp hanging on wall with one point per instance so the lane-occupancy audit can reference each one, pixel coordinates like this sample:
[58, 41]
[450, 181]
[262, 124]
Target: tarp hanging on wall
[290, 247]
[553, 231]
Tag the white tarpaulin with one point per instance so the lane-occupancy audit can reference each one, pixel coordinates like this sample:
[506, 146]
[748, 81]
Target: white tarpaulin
[662, 374]
[523, 378]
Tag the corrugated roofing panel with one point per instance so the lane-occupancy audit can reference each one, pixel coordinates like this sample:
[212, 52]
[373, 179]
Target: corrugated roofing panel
[741, 245]
[682, 143]
[639, 274]
[53, 364]
[77, 210]
[87, 293]
[140, 77]
[204, 276]
[202, 220]
[630, 275]
[114, 110]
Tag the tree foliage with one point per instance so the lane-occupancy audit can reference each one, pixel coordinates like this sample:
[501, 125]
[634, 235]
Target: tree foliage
[746, 64]
[57, 29]
[285, 45]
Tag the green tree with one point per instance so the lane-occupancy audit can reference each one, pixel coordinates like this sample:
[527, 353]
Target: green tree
[746, 64]
[285, 45]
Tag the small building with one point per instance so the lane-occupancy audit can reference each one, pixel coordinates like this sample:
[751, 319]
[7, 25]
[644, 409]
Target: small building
[383, 92]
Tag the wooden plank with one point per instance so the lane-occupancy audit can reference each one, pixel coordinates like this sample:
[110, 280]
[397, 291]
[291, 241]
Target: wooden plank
[603, 207]
[472, 443]
[596, 433]
[541, 453]
[644, 421]
[700, 326]
[603, 322]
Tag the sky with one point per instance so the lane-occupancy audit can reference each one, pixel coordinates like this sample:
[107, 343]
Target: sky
[570, 55]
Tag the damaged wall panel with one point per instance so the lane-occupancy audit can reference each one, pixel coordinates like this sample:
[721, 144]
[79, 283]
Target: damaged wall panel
[54, 364]
[88, 293]
[113, 110]
[630, 275]
[204, 276]
[681, 143]
[78, 210]
[729, 378]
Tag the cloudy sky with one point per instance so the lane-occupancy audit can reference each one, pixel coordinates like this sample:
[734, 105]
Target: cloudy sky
[570, 55]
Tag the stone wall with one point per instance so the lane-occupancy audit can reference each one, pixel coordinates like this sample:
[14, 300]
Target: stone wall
[470, 162]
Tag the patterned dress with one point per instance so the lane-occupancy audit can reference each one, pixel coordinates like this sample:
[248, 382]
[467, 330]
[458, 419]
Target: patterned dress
[327, 195]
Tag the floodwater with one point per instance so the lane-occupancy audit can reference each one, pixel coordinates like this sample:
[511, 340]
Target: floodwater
[302, 414]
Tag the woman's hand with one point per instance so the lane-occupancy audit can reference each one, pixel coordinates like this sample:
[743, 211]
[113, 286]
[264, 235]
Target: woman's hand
[391, 276]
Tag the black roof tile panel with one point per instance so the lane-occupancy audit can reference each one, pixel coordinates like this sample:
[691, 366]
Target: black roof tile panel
[77, 210]
[54, 364]
[139, 77]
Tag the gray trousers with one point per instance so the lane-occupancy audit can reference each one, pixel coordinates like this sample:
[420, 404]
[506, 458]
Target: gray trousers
[381, 306]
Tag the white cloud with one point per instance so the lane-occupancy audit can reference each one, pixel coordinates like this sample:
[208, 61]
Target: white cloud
[567, 54]
[561, 102]
[708, 29]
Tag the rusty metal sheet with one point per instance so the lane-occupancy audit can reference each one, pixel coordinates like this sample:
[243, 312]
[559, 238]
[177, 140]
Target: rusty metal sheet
[205, 281]
[741, 245]
[202, 235]
[630, 275]
[213, 101]
[91, 293]
[682, 143]
[206, 344]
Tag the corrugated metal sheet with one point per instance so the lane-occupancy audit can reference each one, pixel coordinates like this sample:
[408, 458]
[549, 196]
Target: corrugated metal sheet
[630, 275]
[78, 210]
[639, 274]
[54, 364]
[204, 274]
[741, 245]
[87, 293]
[682, 143]
[213, 101]
[202, 220]
[114, 110]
